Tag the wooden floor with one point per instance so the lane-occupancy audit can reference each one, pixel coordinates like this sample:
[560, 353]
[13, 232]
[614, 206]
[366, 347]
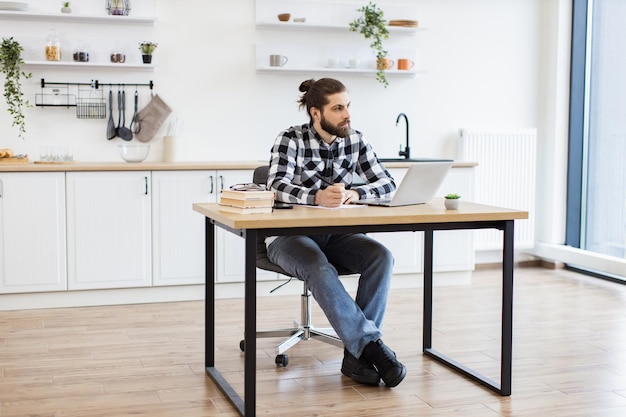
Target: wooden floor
[147, 360]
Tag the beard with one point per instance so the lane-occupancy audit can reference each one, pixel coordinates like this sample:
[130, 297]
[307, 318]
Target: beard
[341, 130]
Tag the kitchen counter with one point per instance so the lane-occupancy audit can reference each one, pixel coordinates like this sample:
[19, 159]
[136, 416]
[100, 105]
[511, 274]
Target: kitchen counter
[162, 166]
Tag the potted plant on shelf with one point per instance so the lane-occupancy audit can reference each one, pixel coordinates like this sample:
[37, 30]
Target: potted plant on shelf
[452, 201]
[147, 48]
[372, 25]
[66, 7]
[10, 65]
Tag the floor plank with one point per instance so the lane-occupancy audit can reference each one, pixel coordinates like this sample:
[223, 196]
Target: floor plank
[147, 360]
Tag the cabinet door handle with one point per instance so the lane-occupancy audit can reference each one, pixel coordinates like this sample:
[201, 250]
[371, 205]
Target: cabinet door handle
[146, 183]
[221, 183]
[211, 188]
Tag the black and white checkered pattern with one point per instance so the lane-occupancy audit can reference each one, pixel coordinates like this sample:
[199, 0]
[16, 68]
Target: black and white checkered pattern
[302, 163]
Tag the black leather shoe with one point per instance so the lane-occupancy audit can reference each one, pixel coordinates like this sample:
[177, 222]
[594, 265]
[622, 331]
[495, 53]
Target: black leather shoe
[384, 359]
[359, 370]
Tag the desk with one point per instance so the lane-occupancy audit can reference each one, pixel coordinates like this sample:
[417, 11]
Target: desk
[301, 220]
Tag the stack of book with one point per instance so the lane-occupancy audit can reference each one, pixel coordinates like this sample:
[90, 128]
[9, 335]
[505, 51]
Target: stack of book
[247, 202]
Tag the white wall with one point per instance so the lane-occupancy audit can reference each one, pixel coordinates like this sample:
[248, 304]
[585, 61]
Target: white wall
[481, 57]
[490, 63]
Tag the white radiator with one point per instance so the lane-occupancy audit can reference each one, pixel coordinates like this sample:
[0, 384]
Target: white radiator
[505, 177]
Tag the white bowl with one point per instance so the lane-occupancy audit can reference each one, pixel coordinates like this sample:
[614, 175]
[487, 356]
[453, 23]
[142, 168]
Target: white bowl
[133, 153]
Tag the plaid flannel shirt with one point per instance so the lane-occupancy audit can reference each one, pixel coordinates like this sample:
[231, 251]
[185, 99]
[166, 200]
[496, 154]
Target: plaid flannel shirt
[302, 164]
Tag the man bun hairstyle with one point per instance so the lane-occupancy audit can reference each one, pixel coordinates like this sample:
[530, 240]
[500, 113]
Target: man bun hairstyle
[315, 93]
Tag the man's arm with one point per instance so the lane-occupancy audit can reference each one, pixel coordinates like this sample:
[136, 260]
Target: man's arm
[378, 181]
[282, 172]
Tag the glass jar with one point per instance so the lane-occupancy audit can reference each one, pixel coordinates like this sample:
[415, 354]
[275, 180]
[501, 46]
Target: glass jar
[53, 47]
[117, 54]
[81, 54]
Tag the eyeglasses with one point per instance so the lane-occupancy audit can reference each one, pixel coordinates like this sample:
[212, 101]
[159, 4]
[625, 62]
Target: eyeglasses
[247, 187]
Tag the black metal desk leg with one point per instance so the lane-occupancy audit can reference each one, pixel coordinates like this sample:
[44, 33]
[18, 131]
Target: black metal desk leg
[507, 309]
[209, 326]
[250, 325]
[427, 338]
[504, 388]
[209, 294]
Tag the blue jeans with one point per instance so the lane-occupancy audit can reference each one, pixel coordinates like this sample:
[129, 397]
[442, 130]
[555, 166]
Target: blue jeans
[311, 258]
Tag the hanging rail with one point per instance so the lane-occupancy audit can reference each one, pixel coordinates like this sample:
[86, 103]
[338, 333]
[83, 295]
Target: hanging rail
[96, 84]
[89, 103]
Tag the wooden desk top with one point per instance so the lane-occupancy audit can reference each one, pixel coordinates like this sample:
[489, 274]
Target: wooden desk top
[301, 216]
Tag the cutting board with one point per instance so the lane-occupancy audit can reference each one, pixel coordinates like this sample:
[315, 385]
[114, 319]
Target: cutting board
[14, 160]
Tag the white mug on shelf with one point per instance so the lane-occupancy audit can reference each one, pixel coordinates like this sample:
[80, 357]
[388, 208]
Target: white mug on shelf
[354, 63]
[334, 62]
[278, 60]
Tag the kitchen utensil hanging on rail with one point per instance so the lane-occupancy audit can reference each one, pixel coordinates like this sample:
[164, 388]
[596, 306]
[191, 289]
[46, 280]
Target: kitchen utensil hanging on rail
[111, 131]
[151, 118]
[90, 104]
[124, 132]
[135, 124]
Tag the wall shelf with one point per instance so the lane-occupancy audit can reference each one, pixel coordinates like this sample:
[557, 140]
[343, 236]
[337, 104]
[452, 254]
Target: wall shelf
[87, 65]
[294, 26]
[364, 71]
[336, 43]
[77, 18]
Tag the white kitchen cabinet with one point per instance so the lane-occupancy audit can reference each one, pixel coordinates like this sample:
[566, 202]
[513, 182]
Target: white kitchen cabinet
[453, 250]
[178, 232]
[229, 248]
[109, 229]
[32, 232]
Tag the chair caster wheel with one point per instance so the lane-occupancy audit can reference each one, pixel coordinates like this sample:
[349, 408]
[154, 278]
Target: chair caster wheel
[282, 360]
[242, 345]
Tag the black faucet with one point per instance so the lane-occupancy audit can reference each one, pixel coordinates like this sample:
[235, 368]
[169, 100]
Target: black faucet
[407, 150]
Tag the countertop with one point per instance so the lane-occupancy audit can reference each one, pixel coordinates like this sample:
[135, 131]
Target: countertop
[161, 166]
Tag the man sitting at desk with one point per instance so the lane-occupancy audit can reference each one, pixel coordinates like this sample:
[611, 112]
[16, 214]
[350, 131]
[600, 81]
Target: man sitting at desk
[315, 164]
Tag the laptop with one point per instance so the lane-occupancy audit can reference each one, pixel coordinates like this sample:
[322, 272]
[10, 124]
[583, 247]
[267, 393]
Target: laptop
[418, 186]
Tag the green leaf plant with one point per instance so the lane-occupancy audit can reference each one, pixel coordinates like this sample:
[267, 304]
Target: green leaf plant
[10, 65]
[372, 25]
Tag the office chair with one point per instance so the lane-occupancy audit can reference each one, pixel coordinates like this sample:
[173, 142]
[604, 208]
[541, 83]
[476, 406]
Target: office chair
[303, 329]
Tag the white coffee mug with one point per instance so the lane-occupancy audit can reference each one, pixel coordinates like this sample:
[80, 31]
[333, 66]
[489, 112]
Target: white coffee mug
[354, 63]
[334, 62]
[278, 60]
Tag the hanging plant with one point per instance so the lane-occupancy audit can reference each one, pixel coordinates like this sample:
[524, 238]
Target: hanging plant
[10, 65]
[372, 25]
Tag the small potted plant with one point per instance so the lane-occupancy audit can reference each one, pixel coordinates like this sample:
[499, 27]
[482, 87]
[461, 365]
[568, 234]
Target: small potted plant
[147, 48]
[10, 65]
[372, 25]
[66, 7]
[452, 201]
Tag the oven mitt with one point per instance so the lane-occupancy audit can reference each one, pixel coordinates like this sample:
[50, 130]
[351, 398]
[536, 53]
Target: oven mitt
[151, 118]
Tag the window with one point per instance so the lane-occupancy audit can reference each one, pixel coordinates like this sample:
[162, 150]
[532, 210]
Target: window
[596, 218]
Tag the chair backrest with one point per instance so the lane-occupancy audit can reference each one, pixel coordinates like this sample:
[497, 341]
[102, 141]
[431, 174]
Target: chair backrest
[262, 261]
[260, 175]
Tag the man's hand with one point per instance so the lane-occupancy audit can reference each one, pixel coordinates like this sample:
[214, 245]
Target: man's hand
[334, 196]
[351, 195]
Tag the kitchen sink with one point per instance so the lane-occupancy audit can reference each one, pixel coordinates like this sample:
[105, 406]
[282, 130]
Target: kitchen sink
[414, 160]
